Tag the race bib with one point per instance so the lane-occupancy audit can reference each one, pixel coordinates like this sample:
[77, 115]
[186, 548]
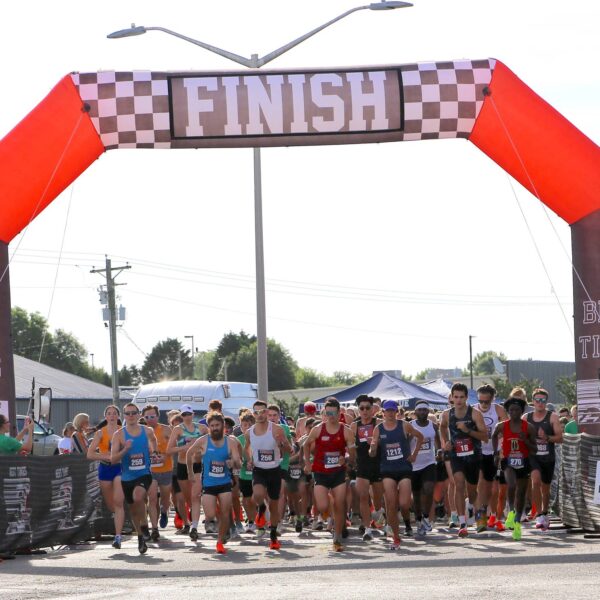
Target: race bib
[266, 456]
[136, 462]
[516, 461]
[393, 451]
[156, 461]
[542, 447]
[463, 446]
[217, 468]
[425, 446]
[295, 471]
[331, 460]
[365, 433]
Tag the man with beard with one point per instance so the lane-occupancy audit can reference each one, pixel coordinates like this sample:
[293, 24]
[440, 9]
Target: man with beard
[219, 455]
[265, 444]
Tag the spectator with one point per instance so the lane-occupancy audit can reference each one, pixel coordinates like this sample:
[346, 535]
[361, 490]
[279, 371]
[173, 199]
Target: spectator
[10, 445]
[572, 427]
[81, 422]
[65, 446]
[564, 412]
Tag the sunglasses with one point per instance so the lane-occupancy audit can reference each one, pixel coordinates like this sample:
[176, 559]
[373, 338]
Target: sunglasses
[186, 414]
[541, 399]
[131, 413]
[364, 407]
[260, 411]
[331, 413]
[150, 416]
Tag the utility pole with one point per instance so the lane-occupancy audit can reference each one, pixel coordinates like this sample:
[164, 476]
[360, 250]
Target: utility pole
[112, 320]
[471, 358]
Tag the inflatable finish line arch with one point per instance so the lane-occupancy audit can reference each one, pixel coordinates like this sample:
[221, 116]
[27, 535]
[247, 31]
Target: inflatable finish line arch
[480, 100]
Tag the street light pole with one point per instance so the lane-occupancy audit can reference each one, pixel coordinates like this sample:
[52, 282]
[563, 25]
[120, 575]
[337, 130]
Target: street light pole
[254, 62]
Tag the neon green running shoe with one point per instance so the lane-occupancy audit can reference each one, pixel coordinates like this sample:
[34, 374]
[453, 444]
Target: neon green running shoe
[510, 520]
[516, 535]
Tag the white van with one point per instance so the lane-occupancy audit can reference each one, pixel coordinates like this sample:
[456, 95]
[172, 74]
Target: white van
[170, 395]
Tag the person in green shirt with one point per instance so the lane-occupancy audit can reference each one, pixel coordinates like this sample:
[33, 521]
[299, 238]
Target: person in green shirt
[245, 476]
[10, 445]
[572, 427]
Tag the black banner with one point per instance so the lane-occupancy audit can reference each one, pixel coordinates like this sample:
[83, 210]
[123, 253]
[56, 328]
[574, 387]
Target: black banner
[49, 501]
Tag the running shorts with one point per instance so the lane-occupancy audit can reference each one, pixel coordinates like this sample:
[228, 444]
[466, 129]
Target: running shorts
[545, 467]
[426, 475]
[270, 479]
[468, 465]
[330, 480]
[108, 472]
[487, 466]
[144, 481]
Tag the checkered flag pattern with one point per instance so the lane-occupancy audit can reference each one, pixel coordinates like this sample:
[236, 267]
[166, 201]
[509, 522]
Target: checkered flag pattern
[443, 99]
[128, 109]
[131, 109]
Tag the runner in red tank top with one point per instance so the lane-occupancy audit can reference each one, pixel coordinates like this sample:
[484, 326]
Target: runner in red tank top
[518, 442]
[331, 439]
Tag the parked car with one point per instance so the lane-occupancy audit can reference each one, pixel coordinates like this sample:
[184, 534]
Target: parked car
[45, 441]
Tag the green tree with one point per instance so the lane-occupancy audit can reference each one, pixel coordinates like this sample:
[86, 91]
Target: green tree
[504, 387]
[346, 378]
[165, 361]
[130, 376]
[310, 378]
[567, 388]
[483, 363]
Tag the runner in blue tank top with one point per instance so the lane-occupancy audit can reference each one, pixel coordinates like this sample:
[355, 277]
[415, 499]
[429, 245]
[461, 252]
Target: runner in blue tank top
[220, 455]
[132, 446]
[392, 439]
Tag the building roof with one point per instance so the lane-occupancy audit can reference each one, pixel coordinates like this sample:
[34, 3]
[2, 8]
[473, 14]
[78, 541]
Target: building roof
[64, 385]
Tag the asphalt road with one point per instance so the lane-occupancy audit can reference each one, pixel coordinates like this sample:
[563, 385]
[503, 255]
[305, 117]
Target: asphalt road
[543, 565]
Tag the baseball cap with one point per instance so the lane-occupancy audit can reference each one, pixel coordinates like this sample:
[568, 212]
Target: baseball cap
[186, 408]
[389, 405]
[310, 407]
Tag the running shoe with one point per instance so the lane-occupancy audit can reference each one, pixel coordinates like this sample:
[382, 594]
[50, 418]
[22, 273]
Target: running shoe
[177, 521]
[330, 524]
[145, 532]
[470, 515]
[117, 542]
[318, 525]
[481, 524]
[345, 533]
[251, 528]
[367, 535]
[510, 520]
[500, 526]
[154, 535]
[395, 545]
[427, 524]
[546, 523]
[260, 521]
[337, 545]
[142, 548]
[210, 527]
[221, 549]
[194, 534]
[408, 530]
[539, 522]
[380, 518]
[298, 526]
[462, 531]
[362, 529]
[421, 530]
[516, 534]
[275, 545]
[239, 527]
[453, 523]
[491, 522]
[164, 520]
[387, 530]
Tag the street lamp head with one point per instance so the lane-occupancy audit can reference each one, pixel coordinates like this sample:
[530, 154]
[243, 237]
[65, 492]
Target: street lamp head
[388, 5]
[133, 30]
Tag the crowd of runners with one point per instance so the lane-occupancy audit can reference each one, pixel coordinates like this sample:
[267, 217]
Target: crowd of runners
[372, 465]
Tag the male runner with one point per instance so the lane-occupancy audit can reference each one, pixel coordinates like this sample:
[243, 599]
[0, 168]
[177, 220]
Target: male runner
[161, 471]
[424, 469]
[518, 444]
[487, 490]
[265, 442]
[331, 439]
[132, 446]
[392, 439]
[245, 478]
[274, 415]
[219, 454]
[548, 433]
[462, 430]
[367, 468]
